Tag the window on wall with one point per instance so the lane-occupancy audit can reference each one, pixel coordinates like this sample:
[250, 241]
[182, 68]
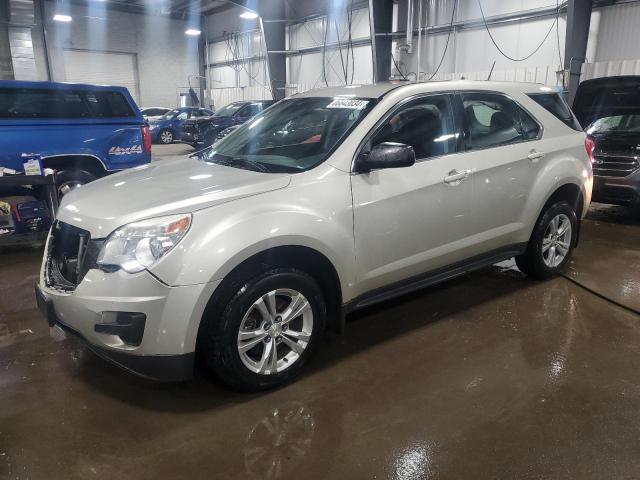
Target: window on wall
[426, 124]
[493, 120]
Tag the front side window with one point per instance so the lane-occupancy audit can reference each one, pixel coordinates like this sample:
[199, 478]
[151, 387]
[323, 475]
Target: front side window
[170, 114]
[295, 135]
[183, 116]
[229, 110]
[426, 124]
[250, 110]
[493, 120]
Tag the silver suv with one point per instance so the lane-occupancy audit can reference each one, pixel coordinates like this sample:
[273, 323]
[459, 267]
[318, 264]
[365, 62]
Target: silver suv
[328, 201]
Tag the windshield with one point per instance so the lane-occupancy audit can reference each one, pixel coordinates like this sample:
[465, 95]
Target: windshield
[295, 134]
[616, 124]
[229, 110]
[170, 114]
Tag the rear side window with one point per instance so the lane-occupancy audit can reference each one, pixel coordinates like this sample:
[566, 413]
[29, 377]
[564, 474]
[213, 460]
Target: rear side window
[493, 120]
[554, 104]
[32, 103]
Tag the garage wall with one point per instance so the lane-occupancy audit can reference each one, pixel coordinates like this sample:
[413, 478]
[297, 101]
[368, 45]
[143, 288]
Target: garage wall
[470, 53]
[164, 55]
[305, 69]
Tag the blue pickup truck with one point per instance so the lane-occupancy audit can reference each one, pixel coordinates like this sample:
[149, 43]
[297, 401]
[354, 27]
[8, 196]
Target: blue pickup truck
[82, 131]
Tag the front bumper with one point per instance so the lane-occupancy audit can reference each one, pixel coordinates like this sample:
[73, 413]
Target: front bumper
[617, 190]
[164, 350]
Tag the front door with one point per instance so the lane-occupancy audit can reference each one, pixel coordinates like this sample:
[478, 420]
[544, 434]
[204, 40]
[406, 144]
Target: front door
[415, 219]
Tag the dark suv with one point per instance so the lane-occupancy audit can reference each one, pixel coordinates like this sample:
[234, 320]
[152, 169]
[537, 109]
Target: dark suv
[202, 132]
[609, 109]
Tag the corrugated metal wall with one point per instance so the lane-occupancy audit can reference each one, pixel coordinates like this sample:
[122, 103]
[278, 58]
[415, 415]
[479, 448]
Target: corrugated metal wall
[240, 71]
[305, 70]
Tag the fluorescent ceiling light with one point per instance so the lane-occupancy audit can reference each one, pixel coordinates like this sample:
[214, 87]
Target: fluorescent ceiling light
[249, 15]
[61, 18]
[192, 31]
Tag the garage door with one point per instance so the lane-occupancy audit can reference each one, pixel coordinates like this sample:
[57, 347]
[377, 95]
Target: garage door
[102, 68]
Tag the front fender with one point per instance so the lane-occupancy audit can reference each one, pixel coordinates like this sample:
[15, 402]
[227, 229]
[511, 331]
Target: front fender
[224, 236]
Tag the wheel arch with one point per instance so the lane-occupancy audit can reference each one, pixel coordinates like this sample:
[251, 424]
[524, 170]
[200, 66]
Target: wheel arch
[89, 163]
[570, 192]
[307, 259]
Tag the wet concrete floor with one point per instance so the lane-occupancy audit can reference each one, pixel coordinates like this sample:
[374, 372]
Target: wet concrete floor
[492, 376]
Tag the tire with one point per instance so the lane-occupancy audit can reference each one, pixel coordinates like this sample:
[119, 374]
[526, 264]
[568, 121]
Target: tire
[253, 369]
[166, 136]
[538, 263]
[67, 180]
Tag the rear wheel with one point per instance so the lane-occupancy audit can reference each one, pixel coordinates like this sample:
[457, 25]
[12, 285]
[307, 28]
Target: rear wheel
[551, 243]
[267, 332]
[68, 180]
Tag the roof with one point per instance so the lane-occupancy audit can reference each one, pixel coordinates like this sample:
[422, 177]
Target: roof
[56, 85]
[378, 90]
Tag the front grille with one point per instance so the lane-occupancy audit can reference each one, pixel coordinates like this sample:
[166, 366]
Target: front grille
[614, 164]
[71, 254]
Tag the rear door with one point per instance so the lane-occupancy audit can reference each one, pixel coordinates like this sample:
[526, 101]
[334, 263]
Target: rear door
[502, 142]
[412, 220]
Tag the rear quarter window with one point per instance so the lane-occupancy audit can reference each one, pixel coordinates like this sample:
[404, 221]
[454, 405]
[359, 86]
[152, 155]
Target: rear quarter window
[554, 104]
[36, 103]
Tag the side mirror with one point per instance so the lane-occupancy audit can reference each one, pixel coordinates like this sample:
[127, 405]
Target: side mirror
[386, 155]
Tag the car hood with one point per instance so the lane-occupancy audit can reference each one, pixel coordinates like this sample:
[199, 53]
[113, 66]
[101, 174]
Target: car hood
[606, 97]
[161, 188]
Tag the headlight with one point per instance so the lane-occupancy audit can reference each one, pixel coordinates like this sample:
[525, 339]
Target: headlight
[139, 245]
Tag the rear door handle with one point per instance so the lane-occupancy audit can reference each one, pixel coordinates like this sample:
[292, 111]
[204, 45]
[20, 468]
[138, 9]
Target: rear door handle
[535, 155]
[455, 177]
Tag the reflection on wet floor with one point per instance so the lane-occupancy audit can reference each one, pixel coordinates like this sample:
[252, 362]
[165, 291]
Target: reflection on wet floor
[488, 376]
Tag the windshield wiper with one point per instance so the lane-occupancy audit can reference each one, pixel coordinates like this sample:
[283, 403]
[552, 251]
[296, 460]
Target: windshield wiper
[234, 161]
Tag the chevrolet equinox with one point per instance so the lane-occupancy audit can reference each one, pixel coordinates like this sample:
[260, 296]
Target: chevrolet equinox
[326, 202]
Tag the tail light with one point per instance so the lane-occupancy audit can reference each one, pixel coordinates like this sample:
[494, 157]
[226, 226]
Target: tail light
[146, 139]
[590, 146]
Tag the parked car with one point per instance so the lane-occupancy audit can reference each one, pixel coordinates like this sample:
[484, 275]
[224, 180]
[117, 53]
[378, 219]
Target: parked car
[82, 131]
[248, 251]
[202, 132]
[153, 113]
[609, 109]
[167, 128]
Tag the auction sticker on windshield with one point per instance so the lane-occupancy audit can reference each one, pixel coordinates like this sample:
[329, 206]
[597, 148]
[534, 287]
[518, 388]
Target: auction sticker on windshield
[348, 103]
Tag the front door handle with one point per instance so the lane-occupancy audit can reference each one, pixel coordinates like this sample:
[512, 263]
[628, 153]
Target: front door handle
[535, 155]
[455, 177]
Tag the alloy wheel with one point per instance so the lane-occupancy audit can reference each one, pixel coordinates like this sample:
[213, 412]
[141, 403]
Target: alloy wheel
[66, 187]
[275, 331]
[556, 241]
[166, 137]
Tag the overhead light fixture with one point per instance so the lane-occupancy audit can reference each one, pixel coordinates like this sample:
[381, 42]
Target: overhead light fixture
[249, 15]
[192, 31]
[61, 18]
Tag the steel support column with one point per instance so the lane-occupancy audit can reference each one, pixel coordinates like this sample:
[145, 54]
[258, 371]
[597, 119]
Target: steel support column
[274, 40]
[577, 35]
[380, 21]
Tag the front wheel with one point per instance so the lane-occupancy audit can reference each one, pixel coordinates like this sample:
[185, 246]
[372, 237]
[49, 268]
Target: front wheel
[166, 137]
[267, 332]
[551, 243]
